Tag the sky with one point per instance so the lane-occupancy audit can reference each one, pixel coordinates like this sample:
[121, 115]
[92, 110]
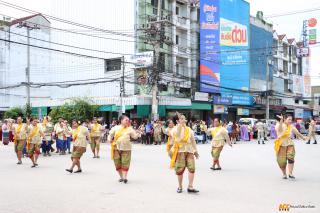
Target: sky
[291, 25]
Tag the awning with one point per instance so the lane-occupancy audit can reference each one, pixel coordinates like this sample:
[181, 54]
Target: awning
[162, 111]
[113, 108]
[178, 107]
[201, 106]
[143, 111]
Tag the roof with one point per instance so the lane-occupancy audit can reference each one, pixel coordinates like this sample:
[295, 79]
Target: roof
[291, 40]
[281, 36]
[300, 44]
[16, 21]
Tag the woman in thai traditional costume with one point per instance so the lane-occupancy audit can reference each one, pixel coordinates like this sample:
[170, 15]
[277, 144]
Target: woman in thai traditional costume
[80, 135]
[219, 138]
[20, 130]
[95, 134]
[168, 132]
[284, 145]
[184, 151]
[120, 139]
[244, 132]
[273, 133]
[34, 141]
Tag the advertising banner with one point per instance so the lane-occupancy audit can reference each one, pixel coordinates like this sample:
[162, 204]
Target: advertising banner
[298, 113]
[142, 60]
[312, 36]
[235, 45]
[209, 46]
[222, 100]
[224, 49]
[201, 96]
[220, 109]
[241, 111]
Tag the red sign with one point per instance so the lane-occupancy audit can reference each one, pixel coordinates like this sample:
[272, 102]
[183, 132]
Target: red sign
[312, 22]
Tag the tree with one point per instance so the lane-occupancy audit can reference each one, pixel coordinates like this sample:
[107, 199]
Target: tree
[28, 110]
[79, 109]
[14, 113]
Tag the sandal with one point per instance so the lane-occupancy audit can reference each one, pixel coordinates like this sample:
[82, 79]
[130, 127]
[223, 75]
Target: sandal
[69, 170]
[179, 190]
[193, 190]
[78, 171]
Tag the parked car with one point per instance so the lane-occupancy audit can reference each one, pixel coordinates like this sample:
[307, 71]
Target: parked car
[250, 121]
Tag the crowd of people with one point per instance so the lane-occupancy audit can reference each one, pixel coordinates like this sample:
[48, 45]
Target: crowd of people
[33, 137]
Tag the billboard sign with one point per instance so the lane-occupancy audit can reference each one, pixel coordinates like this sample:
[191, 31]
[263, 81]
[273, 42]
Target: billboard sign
[312, 36]
[312, 22]
[201, 96]
[303, 52]
[298, 113]
[242, 111]
[222, 100]
[232, 33]
[209, 46]
[220, 109]
[224, 49]
[142, 60]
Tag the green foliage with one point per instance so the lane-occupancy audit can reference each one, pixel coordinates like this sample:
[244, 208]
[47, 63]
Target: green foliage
[79, 109]
[28, 110]
[14, 113]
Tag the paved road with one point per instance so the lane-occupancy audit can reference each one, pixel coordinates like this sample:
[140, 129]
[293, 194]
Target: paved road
[249, 182]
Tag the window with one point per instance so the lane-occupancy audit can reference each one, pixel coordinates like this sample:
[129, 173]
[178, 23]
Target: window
[294, 69]
[178, 68]
[285, 50]
[177, 40]
[285, 67]
[300, 66]
[294, 52]
[275, 64]
[296, 101]
[112, 64]
[177, 11]
[305, 102]
[154, 4]
[275, 45]
[286, 85]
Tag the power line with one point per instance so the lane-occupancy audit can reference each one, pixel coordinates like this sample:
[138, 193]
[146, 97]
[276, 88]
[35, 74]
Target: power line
[293, 12]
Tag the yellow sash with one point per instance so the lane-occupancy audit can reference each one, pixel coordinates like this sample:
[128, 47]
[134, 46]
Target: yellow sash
[18, 132]
[169, 141]
[33, 133]
[94, 129]
[178, 145]
[114, 142]
[279, 140]
[76, 133]
[215, 131]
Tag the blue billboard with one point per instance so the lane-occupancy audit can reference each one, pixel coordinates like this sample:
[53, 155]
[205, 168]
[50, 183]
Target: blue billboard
[209, 46]
[225, 64]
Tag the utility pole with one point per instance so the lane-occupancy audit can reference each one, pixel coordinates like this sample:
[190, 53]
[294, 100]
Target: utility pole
[154, 109]
[28, 67]
[29, 27]
[267, 93]
[122, 89]
[155, 36]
